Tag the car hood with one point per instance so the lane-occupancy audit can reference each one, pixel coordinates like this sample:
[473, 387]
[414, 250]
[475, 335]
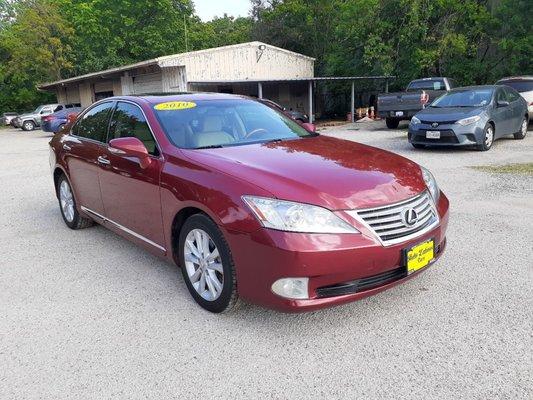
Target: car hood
[448, 114]
[333, 173]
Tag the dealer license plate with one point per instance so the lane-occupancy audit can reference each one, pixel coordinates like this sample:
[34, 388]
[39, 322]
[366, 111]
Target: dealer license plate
[419, 256]
[433, 135]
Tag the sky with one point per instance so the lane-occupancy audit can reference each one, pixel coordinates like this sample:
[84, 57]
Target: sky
[207, 9]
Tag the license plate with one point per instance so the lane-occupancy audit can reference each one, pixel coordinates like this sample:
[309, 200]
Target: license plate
[399, 113]
[433, 135]
[419, 256]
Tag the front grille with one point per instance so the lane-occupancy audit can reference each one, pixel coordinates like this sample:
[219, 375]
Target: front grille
[438, 122]
[445, 137]
[362, 284]
[389, 222]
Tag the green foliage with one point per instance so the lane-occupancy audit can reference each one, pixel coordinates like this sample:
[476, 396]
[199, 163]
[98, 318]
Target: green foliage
[474, 41]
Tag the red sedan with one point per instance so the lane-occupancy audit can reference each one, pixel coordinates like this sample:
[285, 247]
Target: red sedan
[247, 202]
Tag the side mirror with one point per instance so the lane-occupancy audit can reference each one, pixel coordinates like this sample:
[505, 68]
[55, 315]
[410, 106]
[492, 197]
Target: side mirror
[309, 127]
[133, 147]
[502, 103]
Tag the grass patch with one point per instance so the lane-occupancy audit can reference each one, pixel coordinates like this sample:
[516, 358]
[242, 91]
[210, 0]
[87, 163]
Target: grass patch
[524, 169]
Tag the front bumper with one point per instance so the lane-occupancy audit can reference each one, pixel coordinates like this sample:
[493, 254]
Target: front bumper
[264, 256]
[451, 134]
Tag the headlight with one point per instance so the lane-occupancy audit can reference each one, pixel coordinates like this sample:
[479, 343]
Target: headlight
[415, 120]
[469, 120]
[296, 217]
[431, 183]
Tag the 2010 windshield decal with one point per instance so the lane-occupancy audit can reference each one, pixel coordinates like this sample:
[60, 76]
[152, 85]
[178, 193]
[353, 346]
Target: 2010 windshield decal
[174, 105]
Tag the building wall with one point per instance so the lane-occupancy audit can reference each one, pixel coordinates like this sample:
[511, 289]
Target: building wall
[241, 62]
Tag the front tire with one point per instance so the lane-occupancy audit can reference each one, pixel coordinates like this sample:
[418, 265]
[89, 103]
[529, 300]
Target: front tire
[28, 126]
[521, 134]
[488, 138]
[418, 146]
[207, 265]
[392, 123]
[67, 205]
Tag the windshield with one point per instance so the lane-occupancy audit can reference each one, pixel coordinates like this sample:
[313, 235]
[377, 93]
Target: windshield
[464, 98]
[38, 110]
[221, 123]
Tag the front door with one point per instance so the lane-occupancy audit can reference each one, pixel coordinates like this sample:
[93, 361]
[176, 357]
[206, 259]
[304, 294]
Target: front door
[131, 193]
[502, 115]
[83, 147]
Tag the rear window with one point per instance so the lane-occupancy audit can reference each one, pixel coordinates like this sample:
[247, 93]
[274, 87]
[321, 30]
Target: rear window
[437, 84]
[520, 86]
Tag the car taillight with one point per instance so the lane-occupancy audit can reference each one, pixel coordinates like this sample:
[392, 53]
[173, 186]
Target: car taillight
[47, 118]
[424, 98]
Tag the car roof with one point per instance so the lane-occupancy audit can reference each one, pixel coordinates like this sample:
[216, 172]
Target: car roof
[480, 87]
[517, 78]
[164, 97]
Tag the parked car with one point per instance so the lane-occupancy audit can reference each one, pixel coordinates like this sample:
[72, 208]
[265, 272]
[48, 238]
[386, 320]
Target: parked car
[57, 121]
[249, 203]
[295, 115]
[7, 117]
[401, 106]
[470, 116]
[524, 86]
[32, 120]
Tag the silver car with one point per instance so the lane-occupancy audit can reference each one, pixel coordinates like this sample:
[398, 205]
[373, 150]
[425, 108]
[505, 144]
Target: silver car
[471, 116]
[524, 86]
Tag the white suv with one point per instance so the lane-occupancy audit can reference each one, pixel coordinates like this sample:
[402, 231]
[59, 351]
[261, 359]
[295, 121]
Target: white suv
[524, 86]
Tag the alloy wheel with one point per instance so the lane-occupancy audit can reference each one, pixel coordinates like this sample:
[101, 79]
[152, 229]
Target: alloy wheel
[67, 201]
[203, 264]
[489, 136]
[523, 128]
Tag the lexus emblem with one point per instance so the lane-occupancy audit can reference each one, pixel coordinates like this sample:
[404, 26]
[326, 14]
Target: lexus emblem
[409, 217]
[435, 124]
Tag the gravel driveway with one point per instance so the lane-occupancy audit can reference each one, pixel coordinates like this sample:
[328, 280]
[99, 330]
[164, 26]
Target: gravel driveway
[86, 314]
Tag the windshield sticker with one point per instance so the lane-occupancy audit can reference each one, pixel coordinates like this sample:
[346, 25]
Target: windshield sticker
[174, 105]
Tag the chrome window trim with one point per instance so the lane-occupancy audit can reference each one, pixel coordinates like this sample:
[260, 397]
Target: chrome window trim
[122, 227]
[386, 243]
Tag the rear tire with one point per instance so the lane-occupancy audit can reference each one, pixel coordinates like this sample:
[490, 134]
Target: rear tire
[28, 126]
[67, 205]
[488, 138]
[521, 134]
[207, 265]
[392, 123]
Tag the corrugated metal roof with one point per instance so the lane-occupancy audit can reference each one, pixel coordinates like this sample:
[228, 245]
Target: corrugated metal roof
[161, 61]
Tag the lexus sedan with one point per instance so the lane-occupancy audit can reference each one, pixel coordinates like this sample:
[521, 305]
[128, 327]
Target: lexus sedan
[471, 116]
[250, 204]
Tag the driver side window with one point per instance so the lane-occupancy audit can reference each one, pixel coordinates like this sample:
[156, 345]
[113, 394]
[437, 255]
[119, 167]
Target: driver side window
[128, 121]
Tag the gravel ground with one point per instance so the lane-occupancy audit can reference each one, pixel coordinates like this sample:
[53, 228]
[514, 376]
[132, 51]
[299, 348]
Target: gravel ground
[89, 315]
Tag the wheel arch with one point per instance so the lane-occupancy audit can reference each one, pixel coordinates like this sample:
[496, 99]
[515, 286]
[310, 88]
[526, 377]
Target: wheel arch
[177, 224]
[58, 171]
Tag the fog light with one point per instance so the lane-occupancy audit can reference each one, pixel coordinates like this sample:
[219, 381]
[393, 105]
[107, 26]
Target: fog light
[291, 288]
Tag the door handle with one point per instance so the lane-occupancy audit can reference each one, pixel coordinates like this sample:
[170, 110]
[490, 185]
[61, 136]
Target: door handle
[67, 147]
[103, 160]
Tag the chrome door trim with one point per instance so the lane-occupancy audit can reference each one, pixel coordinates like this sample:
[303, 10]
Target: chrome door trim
[129, 231]
[103, 160]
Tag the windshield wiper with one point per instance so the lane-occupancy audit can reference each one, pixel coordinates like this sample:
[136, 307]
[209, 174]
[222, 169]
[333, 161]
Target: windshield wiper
[211, 146]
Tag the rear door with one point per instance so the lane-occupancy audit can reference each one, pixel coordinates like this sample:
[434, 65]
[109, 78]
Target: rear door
[517, 109]
[83, 147]
[130, 193]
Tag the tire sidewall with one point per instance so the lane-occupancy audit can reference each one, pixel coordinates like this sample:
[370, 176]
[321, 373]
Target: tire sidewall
[201, 221]
[483, 146]
[31, 124]
[74, 223]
